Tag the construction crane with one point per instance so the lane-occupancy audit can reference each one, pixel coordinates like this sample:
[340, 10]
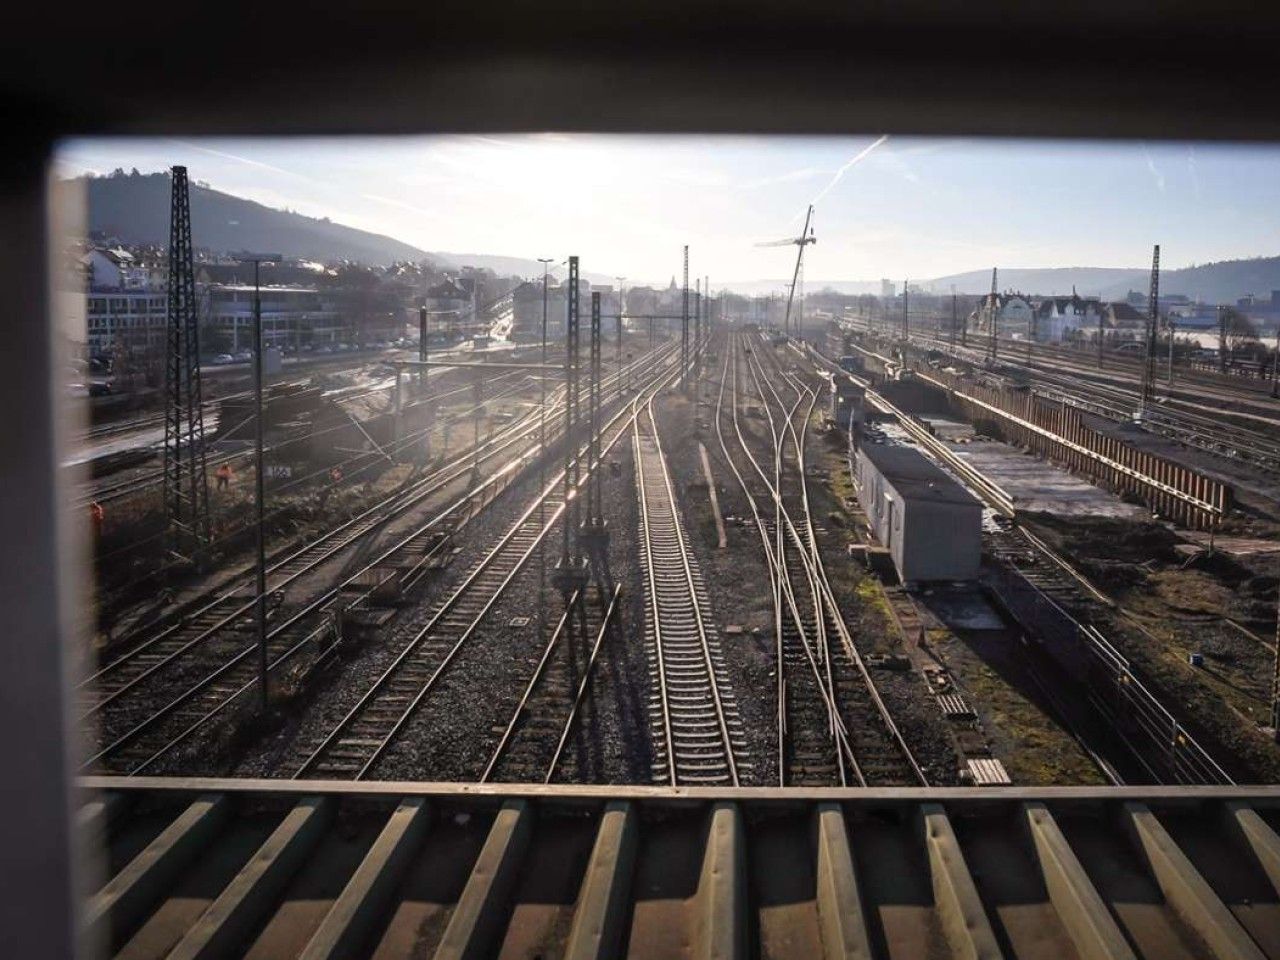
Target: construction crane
[806, 237]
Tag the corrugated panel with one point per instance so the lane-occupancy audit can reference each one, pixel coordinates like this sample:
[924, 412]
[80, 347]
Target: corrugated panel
[201, 868]
[954, 705]
[988, 773]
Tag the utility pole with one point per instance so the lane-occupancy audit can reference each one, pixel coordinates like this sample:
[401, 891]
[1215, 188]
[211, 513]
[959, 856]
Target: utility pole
[697, 327]
[1275, 366]
[593, 534]
[1101, 316]
[1170, 326]
[1148, 391]
[994, 318]
[906, 318]
[955, 316]
[684, 330]
[260, 599]
[1275, 683]
[570, 409]
[1222, 339]
[621, 301]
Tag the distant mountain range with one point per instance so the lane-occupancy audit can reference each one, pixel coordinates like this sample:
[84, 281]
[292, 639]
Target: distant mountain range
[1222, 282]
[136, 208]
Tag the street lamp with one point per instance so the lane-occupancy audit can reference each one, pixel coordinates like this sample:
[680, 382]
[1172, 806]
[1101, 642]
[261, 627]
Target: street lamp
[260, 601]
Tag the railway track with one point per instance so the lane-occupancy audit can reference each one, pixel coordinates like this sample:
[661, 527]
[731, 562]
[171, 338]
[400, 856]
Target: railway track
[1068, 603]
[533, 744]
[223, 625]
[355, 745]
[109, 489]
[1187, 422]
[1157, 740]
[144, 657]
[223, 612]
[696, 724]
[834, 727]
[310, 631]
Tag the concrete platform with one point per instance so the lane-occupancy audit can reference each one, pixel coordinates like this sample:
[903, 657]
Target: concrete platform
[944, 428]
[1037, 485]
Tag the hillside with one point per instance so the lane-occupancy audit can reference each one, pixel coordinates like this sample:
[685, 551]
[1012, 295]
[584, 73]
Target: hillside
[136, 208]
[1054, 280]
[1222, 282]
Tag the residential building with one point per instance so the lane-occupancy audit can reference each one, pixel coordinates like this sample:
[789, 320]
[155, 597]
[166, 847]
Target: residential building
[114, 268]
[526, 324]
[1013, 312]
[451, 305]
[1058, 318]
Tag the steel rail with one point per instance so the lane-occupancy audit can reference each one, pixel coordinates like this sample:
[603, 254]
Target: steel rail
[523, 708]
[843, 749]
[499, 479]
[311, 556]
[583, 684]
[316, 605]
[685, 593]
[365, 523]
[570, 608]
[1165, 728]
[544, 524]
[851, 651]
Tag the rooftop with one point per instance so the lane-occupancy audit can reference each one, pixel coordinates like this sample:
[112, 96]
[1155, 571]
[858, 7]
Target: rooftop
[915, 477]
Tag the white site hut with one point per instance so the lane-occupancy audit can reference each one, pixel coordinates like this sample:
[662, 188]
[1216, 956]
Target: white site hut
[931, 526]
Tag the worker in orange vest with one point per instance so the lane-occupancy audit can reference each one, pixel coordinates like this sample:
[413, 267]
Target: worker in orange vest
[223, 474]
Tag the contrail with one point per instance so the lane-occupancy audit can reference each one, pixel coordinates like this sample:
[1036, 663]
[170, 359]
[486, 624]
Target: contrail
[862, 155]
[1152, 169]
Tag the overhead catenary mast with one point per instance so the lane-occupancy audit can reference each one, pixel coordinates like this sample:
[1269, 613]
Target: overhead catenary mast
[993, 305]
[1147, 394]
[186, 483]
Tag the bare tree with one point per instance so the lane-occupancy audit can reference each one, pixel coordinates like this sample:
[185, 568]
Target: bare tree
[1235, 331]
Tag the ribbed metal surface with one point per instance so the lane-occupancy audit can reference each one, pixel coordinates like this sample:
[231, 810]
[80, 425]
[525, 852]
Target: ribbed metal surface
[272, 869]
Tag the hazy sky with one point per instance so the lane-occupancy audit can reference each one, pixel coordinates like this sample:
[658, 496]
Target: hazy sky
[895, 207]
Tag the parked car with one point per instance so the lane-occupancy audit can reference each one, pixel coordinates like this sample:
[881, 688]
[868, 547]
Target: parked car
[223, 358]
[244, 356]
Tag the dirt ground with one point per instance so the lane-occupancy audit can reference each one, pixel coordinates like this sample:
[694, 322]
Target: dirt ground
[1174, 600]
